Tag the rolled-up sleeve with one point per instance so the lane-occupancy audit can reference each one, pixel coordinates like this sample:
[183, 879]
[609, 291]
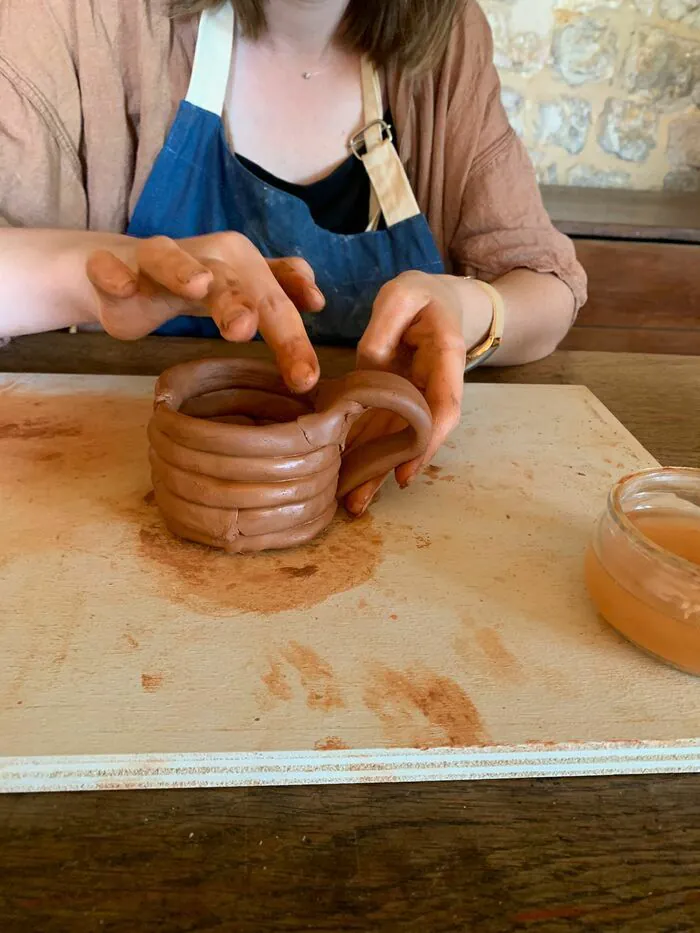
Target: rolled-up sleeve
[503, 223]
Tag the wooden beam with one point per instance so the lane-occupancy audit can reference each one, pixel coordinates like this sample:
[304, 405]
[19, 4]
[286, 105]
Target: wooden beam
[620, 214]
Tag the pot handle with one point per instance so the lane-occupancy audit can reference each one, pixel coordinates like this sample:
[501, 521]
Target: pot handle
[373, 389]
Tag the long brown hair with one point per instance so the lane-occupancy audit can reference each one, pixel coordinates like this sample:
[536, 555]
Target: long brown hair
[412, 33]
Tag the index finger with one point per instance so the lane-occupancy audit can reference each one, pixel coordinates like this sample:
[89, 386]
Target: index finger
[280, 323]
[439, 369]
[394, 310]
[443, 392]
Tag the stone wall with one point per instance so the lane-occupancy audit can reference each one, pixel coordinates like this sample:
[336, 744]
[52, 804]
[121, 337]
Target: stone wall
[603, 92]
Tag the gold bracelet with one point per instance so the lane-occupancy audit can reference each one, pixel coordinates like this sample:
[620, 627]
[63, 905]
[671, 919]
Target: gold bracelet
[482, 351]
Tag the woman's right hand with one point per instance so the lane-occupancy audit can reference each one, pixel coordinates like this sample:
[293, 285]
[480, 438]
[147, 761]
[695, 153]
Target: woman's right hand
[144, 283]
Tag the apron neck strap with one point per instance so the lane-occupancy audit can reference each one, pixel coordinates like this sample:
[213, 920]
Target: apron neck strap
[212, 59]
[372, 102]
[391, 193]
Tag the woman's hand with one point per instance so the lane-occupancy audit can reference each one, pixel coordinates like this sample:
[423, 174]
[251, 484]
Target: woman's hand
[145, 283]
[421, 328]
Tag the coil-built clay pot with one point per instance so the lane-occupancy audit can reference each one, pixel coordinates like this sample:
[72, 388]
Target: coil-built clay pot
[240, 463]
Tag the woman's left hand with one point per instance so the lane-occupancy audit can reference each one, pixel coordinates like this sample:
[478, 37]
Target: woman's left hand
[418, 330]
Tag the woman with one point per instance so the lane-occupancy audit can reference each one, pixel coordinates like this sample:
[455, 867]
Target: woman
[245, 209]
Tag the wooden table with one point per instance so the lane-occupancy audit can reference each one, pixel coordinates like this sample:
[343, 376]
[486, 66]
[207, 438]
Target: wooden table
[606, 854]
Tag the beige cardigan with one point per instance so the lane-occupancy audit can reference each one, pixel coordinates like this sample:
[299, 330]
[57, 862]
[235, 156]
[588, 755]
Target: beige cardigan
[89, 88]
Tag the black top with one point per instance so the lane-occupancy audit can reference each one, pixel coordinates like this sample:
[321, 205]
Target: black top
[338, 203]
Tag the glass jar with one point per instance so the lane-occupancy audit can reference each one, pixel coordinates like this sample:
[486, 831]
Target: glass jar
[643, 565]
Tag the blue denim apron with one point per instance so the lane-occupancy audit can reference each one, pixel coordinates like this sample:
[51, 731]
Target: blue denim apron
[197, 186]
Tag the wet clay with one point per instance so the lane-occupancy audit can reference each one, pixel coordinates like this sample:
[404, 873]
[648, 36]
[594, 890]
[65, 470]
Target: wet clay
[241, 464]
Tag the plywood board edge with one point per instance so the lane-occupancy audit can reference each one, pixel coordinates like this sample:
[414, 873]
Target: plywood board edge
[149, 772]
[608, 417]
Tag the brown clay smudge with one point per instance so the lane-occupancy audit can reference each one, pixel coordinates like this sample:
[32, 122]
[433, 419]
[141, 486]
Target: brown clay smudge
[149, 498]
[151, 682]
[62, 448]
[99, 431]
[43, 428]
[394, 617]
[500, 658]
[331, 743]
[300, 573]
[433, 471]
[449, 478]
[276, 682]
[423, 541]
[525, 472]
[130, 640]
[316, 676]
[346, 555]
[418, 708]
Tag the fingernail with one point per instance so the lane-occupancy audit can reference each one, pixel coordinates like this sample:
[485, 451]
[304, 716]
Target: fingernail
[408, 479]
[301, 375]
[315, 299]
[232, 320]
[124, 283]
[189, 275]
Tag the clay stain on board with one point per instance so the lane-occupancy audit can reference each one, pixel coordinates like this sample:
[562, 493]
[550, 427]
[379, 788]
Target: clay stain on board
[276, 683]
[525, 472]
[419, 708]
[316, 676]
[95, 434]
[130, 640]
[434, 473]
[151, 682]
[501, 660]
[43, 428]
[330, 743]
[300, 573]
[345, 556]
[62, 451]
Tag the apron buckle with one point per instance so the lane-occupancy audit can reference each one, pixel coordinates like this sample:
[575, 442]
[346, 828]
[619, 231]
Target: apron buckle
[358, 143]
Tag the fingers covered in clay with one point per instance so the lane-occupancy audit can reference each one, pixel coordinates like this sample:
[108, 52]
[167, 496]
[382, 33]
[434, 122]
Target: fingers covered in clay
[296, 277]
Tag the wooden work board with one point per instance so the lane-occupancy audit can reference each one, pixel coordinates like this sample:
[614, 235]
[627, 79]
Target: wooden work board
[447, 635]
